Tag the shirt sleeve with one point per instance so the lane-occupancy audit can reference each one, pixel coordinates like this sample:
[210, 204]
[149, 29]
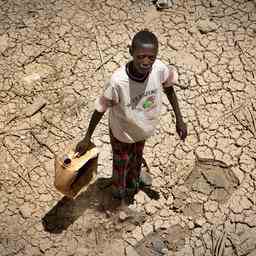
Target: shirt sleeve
[170, 76]
[109, 98]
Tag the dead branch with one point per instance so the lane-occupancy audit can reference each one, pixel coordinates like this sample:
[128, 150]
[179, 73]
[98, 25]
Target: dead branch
[57, 127]
[20, 165]
[103, 63]
[41, 143]
[38, 107]
[99, 50]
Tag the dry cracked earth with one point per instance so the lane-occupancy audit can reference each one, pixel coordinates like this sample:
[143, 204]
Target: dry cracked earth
[54, 58]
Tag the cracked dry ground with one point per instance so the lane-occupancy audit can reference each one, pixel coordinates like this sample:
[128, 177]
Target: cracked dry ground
[54, 59]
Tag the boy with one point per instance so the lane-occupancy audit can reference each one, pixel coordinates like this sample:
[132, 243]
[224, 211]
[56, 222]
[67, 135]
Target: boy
[133, 97]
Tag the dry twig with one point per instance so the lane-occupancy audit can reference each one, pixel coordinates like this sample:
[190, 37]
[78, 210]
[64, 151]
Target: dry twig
[20, 165]
[42, 144]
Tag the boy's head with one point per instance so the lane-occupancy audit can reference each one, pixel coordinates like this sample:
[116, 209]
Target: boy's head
[144, 50]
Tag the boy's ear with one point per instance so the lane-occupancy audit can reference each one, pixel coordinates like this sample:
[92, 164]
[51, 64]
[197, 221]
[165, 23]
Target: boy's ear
[130, 49]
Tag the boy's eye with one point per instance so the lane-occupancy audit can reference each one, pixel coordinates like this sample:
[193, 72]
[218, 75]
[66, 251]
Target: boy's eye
[141, 57]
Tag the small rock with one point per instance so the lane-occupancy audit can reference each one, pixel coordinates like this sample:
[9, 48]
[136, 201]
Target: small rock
[165, 225]
[158, 224]
[130, 251]
[159, 246]
[206, 26]
[200, 221]
[147, 228]
[32, 251]
[201, 186]
[164, 4]
[250, 220]
[123, 216]
[239, 204]
[169, 201]
[174, 220]
[2, 207]
[131, 241]
[26, 211]
[137, 234]
[150, 209]
[158, 182]
[82, 252]
[211, 206]
[140, 198]
[164, 251]
[4, 43]
[45, 244]
[238, 173]
[191, 225]
[164, 213]
[203, 152]
[115, 248]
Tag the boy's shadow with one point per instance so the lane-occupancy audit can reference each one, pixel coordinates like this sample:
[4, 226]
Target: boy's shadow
[67, 210]
[97, 197]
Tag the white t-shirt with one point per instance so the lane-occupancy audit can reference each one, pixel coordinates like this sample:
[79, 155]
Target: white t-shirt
[135, 106]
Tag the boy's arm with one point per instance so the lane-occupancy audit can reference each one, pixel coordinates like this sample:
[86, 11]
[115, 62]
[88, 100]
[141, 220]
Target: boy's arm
[84, 144]
[181, 127]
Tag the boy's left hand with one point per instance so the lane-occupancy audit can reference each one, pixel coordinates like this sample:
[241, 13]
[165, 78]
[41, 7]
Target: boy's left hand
[181, 129]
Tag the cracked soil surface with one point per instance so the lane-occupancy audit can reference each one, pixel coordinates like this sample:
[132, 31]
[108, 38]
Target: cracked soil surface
[54, 58]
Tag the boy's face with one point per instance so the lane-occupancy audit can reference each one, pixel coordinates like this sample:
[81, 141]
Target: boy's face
[144, 57]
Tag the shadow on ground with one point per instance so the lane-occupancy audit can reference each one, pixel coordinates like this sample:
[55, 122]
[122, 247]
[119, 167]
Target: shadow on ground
[97, 197]
[67, 210]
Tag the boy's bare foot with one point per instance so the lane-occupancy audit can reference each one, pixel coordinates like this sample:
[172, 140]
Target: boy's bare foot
[145, 179]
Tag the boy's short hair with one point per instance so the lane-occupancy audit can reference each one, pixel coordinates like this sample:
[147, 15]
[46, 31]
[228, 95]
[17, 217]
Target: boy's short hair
[144, 37]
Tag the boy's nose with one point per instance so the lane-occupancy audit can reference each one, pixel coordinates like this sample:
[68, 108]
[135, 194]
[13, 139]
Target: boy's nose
[146, 61]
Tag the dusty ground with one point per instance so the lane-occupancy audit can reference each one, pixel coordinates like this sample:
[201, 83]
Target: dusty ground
[54, 58]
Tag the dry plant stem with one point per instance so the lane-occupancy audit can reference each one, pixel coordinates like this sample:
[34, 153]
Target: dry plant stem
[40, 107]
[220, 244]
[253, 122]
[246, 126]
[42, 144]
[22, 167]
[103, 63]
[96, 236]
[57, 127]
[230, 113]
[99, 50]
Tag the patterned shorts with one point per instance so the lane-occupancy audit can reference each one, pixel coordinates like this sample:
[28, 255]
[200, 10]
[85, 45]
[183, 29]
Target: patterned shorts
[127, 161]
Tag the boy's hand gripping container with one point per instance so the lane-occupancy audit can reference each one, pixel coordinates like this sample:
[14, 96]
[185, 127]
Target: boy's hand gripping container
[73, 173]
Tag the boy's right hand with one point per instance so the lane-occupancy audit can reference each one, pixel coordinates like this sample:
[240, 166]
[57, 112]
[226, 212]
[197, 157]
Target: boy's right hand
[82, 146]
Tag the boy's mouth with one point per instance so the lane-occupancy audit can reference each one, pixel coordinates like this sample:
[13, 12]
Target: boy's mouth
[145, 67]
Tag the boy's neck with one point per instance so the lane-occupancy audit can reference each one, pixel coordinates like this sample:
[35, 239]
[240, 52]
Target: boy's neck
[134, 75]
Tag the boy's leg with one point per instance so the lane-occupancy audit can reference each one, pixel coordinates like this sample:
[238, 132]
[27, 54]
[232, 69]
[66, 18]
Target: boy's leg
[133, 178]
[121, 156]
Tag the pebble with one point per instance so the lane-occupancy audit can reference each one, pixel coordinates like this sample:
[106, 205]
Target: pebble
[158, 224]
[130, 251]
[200, 221]
[147, 228]
[140, 197]
[26, 211]
[164, 213]
[150, 209]
[123, 216]
[159, 246]
[82, 251]
[136, 233]
[2, 207]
